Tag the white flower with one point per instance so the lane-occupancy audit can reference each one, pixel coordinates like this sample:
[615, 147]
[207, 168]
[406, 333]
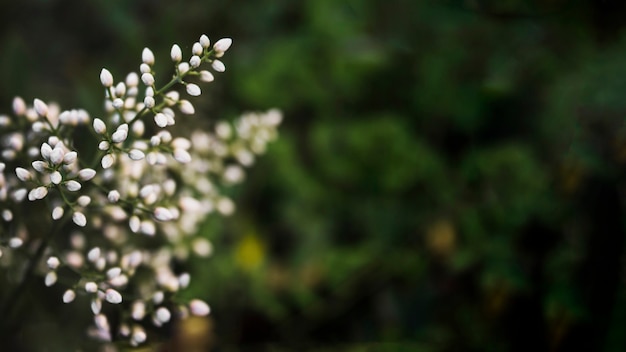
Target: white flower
[136, 154]
[69, 296]
[163, 214]
[16, 242]
[199, 308]
[222, 45]
[113, 296]
[57, 155]
[163, 315]
[104, 145]
[197, 49]
[204, 41]
[138, 336]
[57, 213]
[40, 107]
[107, 161]
[70, 157]
[118, 103]
[114, 272]
[160, 119]
[56, 177]
[94, 254]
[182, 156]
[106, 78]
[50, 279]
[195, 61]
[193, 90]
[138, 310]
[218, 66]
[39, 165]
[120, 134]
[132, 79]
[37, 193]
[206, 76]
[19, 106]
[147, 56]
[22, 174]
[99, 126]
[113, 196]
[147, 79]
[91, 287]
[149, 102]
[83, 201]
[53, 262]
[176, 53]
[73, 186]
[96, 303]
[183, 68]
[79, 219]
[86, 174]
[186, 107]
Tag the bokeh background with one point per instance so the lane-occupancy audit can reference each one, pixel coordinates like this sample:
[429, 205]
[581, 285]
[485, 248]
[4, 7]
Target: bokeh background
[449, 175]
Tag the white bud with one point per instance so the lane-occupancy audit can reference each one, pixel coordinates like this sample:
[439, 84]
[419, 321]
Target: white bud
[136, 154]
[91, 287]
[53, 262]
[37, 193]
[147, 56]
[138, 310]
[183, 68]
[199, 308]
[106, 78]
[113, 296]
[113, 196]
[50, 279]
[22, 174]
[57, 155]
[57, 213]
[93, 254]
[69, 296]
[99, 126]
[86, 174]
[104, 145]
[16, 242]
[40, 107]
[19, 106]
[107, 161]
[147, 79]
[204, 41]
[118, 103]
[148, 228]
[193, 90]
[163, 315]
[134, 223]
[144, 68]
[195, 61]
[73, 186]
[160, 119]
[182, 156]
[176, 53]
[114, 272]
[163, 214]
[120, 134]
[83, 201]
[70, 157]
[184, 280]
[132, 79]
[96, 303]
[149, 102]
[186, 107]
[206, 76]
[218, 66]
[39, 165]
[223, 44]
[138, 336]
[79, 219]
[196, 49]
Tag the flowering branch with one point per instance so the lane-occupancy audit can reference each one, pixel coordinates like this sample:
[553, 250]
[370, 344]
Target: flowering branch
[136, 204]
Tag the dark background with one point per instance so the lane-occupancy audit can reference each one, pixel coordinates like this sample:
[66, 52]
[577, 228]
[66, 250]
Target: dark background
[449, 175]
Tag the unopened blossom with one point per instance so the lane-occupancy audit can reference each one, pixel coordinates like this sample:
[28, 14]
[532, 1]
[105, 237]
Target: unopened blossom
[86, 174]
[222, 45]
[99, 126]
[57, 213]
[79, 219]
[106, 78]
[50, 279]
[197, 49]
[147, 56]
[91, 287]
[112, 296]
[218, 66]
[193, 89]
[69, 296]
[204, 41]
[53, 262]
[176, 53]
[199, 308]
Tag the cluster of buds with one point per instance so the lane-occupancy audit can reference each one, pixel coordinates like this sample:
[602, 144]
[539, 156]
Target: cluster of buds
[125, 202]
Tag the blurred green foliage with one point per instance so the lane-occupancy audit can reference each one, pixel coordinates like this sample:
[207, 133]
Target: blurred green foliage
[449, 175]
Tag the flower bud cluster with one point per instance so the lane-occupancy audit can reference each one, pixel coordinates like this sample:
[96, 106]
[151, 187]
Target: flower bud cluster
[122, 210]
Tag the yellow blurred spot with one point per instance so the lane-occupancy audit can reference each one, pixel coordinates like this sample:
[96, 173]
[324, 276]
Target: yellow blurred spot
[193, 334]
[441, 237]
[249, 252]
